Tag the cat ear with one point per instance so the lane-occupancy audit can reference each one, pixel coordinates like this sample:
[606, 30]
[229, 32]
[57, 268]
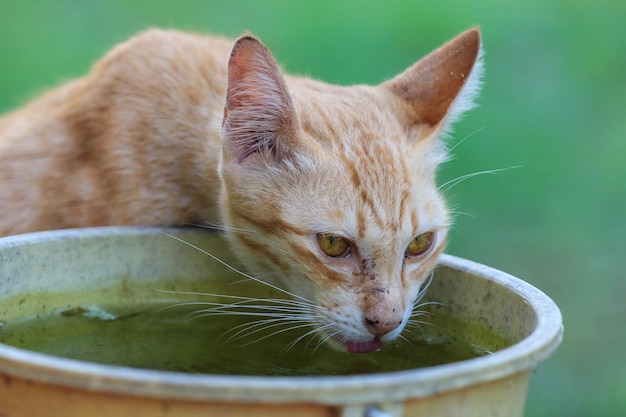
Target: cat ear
[259, 114]
[440, 87]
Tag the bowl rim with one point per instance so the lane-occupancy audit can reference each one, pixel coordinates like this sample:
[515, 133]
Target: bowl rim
[392, 386]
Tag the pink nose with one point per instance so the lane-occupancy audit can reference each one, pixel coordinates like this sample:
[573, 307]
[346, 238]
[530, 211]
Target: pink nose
[379, 327]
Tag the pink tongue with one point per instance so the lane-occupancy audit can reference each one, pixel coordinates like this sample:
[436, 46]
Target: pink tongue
[364, 347]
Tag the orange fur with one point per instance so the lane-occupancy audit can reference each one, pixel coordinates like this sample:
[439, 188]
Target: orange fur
[169, 129]
[134, 142]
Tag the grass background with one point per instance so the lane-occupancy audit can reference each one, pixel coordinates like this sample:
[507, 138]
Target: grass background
[554, 103]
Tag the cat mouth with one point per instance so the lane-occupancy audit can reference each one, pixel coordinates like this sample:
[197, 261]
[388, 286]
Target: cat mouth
[353, 346]
[364, 347]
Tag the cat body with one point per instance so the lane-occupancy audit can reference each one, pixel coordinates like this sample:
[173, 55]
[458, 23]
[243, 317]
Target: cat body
[327, 191]
[135, 142]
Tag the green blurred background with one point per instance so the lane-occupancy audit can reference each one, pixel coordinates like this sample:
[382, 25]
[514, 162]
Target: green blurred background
[554, 103]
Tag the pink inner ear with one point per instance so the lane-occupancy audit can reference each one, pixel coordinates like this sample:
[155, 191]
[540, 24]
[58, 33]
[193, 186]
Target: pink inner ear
[258, 106]
[247, 66]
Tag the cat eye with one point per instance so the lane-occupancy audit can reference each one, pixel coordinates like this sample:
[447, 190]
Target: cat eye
[333, 245]
[420, 244]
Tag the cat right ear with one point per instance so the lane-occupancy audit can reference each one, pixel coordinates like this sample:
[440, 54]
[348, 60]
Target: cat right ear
[259, 115]
[440, 87]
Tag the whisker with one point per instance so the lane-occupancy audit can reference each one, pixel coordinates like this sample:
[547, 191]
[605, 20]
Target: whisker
[410, 331]
[325, 338]
[256, 327]
[311, 332]
[204, 313]
[417, 310]
[243, 299]
[278, 332]
[468, 136]
[421, 313]
[221, 227]
[406, 340]
[285, 314]
[456, 213]
[245, 280]
[232, 268]
[422, 291]
[429, 303]
[418, 324]
[453, 182]
[276, 318]
[245, 307]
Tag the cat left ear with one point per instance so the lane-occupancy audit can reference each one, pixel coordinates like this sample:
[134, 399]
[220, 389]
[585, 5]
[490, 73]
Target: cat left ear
[259, 113]
[440, 87]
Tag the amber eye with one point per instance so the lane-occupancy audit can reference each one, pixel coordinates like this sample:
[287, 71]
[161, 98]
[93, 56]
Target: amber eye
[333, 245]
[420, 244]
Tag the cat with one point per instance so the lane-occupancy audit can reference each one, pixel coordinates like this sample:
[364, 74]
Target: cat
[328, 190]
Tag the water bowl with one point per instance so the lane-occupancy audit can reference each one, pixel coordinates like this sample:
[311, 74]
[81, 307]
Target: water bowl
[54, 281]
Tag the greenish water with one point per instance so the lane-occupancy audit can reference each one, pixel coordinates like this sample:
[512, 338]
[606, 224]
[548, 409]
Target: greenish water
[149, 336]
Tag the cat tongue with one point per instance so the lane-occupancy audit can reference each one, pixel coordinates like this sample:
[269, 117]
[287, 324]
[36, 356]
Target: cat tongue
[364, 347]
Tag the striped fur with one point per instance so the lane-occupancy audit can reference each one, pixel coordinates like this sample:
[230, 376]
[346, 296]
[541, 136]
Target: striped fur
[146, 139]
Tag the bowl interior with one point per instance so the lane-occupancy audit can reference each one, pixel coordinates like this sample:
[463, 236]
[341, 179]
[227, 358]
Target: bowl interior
[46, 272]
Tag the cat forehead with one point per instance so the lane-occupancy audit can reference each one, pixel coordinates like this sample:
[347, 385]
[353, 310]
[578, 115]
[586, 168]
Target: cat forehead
[367, 167]
[372, 193]
[329, 111]
[356, 127]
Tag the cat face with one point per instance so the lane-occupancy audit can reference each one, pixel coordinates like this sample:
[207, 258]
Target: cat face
[333, 188]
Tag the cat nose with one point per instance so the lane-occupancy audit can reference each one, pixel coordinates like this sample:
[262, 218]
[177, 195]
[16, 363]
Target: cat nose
[380, 327]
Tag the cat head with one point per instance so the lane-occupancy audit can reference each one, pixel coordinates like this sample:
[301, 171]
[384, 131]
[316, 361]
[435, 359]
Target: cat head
[330, 191]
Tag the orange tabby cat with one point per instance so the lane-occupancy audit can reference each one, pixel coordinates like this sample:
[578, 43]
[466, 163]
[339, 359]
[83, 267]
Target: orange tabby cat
[329, 190]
